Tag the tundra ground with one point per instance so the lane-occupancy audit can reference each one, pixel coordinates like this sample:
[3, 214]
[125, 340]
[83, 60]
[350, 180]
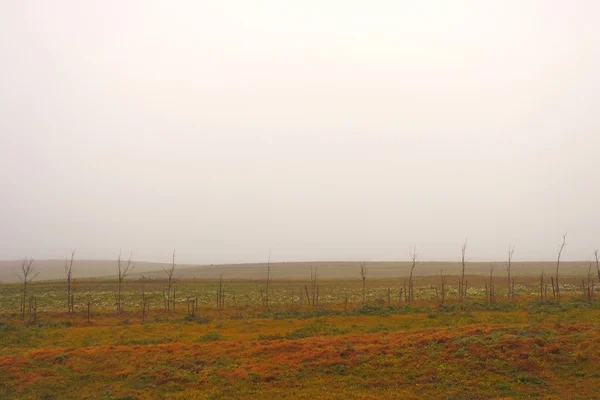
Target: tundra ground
[383, 348]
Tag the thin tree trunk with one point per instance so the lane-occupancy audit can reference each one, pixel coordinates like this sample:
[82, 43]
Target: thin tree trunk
[307, 296]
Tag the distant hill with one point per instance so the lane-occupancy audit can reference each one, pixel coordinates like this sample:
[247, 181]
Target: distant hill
[377, 270]
[54, 269]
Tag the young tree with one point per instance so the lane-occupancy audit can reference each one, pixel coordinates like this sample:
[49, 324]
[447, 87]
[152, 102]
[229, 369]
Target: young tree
[26, 275]
[443, 284]
[268, 283]
[413, 256]
[144, 304]
[463, 261]
[122, 272]
[589, 285]
[170, 282]
[68, 276]
[597, 255]
[560, 249]
[363, 274]
[313, 285]
[511, 250]
[492, 297]
[220, 295]
[542, 287]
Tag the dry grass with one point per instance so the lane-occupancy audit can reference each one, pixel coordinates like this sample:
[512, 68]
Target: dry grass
[466, 350]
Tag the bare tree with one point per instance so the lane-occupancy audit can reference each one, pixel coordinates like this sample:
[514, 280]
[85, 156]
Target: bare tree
[413, 256]
[313, 286]
[122, 272]
[68, 275]
[491, 293]
[26, 275]
[560, 249]
[314, 273]
[443, 284]
[511, 250]
[170, 282]
[589, 285]
[363, 274]
[542, 286]
[463, 261]
[144, 304]
[268, 283]
[220, 295]
[597, 255]
[32, 309]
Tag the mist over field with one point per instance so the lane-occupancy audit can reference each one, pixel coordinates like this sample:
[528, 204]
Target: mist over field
[321, 130]
[317, 199]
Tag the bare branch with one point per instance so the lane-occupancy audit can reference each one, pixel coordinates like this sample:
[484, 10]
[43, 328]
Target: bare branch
[462, 289]
[560, 249]
[363, 274]
[413, 255]
[597, 255]
[68, 274]
[128, 268]
[122, 272]
[26, 275]
[268, 283]
[511, 250]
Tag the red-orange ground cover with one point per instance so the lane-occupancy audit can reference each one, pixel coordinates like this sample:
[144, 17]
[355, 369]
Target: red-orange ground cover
[545, 360]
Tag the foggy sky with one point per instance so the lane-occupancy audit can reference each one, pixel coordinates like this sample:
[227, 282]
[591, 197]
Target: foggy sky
[324, 130]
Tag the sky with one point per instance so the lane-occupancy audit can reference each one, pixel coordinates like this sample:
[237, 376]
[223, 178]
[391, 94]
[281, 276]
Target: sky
[317, 130]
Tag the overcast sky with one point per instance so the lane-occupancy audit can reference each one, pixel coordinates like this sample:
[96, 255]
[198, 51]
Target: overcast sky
[344, 130]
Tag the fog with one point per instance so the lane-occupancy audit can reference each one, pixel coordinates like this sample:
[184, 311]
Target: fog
[322, 130]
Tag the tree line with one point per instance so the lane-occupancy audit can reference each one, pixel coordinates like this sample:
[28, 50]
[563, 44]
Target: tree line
[28, 272]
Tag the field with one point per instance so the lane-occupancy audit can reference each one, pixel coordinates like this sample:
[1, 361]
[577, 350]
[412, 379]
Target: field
[342, 347]
[331, 270]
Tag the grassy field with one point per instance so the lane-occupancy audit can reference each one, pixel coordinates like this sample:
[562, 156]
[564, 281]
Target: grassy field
[344, 270]
[382, 348]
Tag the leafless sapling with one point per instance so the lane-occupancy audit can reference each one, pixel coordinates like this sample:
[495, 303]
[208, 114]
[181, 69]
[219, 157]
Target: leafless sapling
[560, 249]
[314, 274]
[143, 304]
[32, 309]
[511, 250]
[68, 276]
[220, 295]
[311, 295]
[413, 256]
[589, 286]
[542, 287]
[463, 261]
[268, 282]
[363, 274]
[26, 275]
[122, 271]
[171, 280]
[492, 292]
[307, 295]
[443, 288]
[597, 255]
